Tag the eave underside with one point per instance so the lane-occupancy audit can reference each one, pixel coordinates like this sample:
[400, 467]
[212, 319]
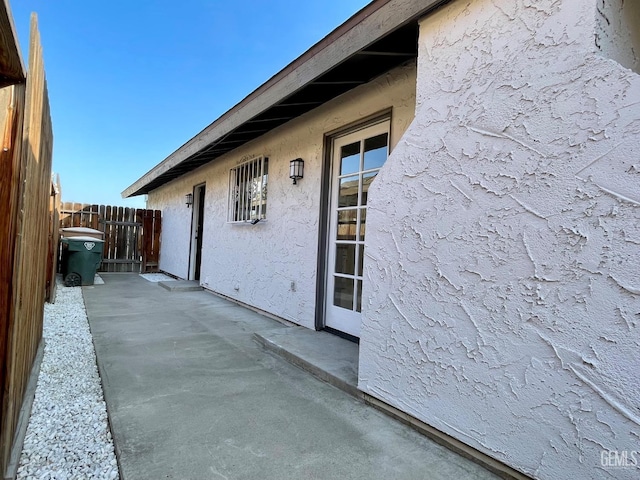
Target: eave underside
[280, 99]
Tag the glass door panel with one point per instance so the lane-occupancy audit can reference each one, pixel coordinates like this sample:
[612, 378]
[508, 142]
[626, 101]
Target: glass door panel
[357, 159]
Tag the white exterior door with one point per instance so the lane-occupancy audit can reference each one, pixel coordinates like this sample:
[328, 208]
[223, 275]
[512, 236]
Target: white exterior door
[357, 158]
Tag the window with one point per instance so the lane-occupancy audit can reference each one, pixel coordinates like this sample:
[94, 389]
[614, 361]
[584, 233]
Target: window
[248, 191]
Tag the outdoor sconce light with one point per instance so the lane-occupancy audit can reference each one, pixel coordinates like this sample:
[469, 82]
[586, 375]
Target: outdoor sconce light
[189, 199]
[296, 170]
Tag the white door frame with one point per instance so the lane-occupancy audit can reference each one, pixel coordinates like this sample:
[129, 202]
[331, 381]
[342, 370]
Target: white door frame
[349, 270]
[197, 211]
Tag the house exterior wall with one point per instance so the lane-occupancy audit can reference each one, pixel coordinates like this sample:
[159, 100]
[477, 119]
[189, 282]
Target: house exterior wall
[503, 276]
[272, 265]
[618, 31]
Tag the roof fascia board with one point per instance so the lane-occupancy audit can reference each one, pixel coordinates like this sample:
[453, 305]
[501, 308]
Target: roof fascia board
[368, 25]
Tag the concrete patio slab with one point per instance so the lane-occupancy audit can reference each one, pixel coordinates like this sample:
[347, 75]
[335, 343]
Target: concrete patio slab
[192, 395]
[308, 350]
[181, 285]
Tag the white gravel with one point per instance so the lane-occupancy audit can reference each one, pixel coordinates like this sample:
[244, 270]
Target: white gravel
[68, 435]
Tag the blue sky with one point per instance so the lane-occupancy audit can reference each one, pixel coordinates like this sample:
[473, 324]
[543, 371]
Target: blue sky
[130, 82]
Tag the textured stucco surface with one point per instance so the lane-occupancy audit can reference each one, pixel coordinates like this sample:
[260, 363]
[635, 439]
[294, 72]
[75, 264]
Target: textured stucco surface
[272, 265]
[503, 255]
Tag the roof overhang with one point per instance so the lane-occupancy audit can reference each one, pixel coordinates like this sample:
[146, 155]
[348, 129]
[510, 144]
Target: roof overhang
[11, 67]
[381, 36]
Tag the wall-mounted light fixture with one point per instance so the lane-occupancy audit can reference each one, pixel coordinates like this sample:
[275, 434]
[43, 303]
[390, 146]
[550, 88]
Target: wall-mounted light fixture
[296, 169]
[188, 199]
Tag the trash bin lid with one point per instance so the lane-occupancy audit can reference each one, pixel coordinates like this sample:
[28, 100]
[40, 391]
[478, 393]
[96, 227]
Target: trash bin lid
[80, 230]
[82, 239]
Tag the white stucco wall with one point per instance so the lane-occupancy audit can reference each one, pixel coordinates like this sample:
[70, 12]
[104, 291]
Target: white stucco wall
[176, 226]
[503, 263]
[258, 264]
[618, 31]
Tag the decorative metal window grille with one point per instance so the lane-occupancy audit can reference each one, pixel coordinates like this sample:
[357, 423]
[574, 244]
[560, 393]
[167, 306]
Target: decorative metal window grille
[248, 191]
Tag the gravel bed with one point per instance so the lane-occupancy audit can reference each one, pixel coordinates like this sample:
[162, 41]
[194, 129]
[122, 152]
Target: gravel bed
[68, 435]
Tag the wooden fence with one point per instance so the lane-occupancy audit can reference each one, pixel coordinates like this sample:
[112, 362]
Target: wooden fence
[132, 236]
[54, 240]
[25, 190]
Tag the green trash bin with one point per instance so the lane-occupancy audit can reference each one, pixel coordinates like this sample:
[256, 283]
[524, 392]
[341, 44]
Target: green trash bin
[81, 258]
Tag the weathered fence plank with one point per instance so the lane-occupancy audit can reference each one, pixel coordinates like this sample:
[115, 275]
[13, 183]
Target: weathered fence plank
[108, 251]
[139, 218]
[21, 329]
[131, 236]
[151, 240]
[121, 246]
[12, 99]
[54, 238]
